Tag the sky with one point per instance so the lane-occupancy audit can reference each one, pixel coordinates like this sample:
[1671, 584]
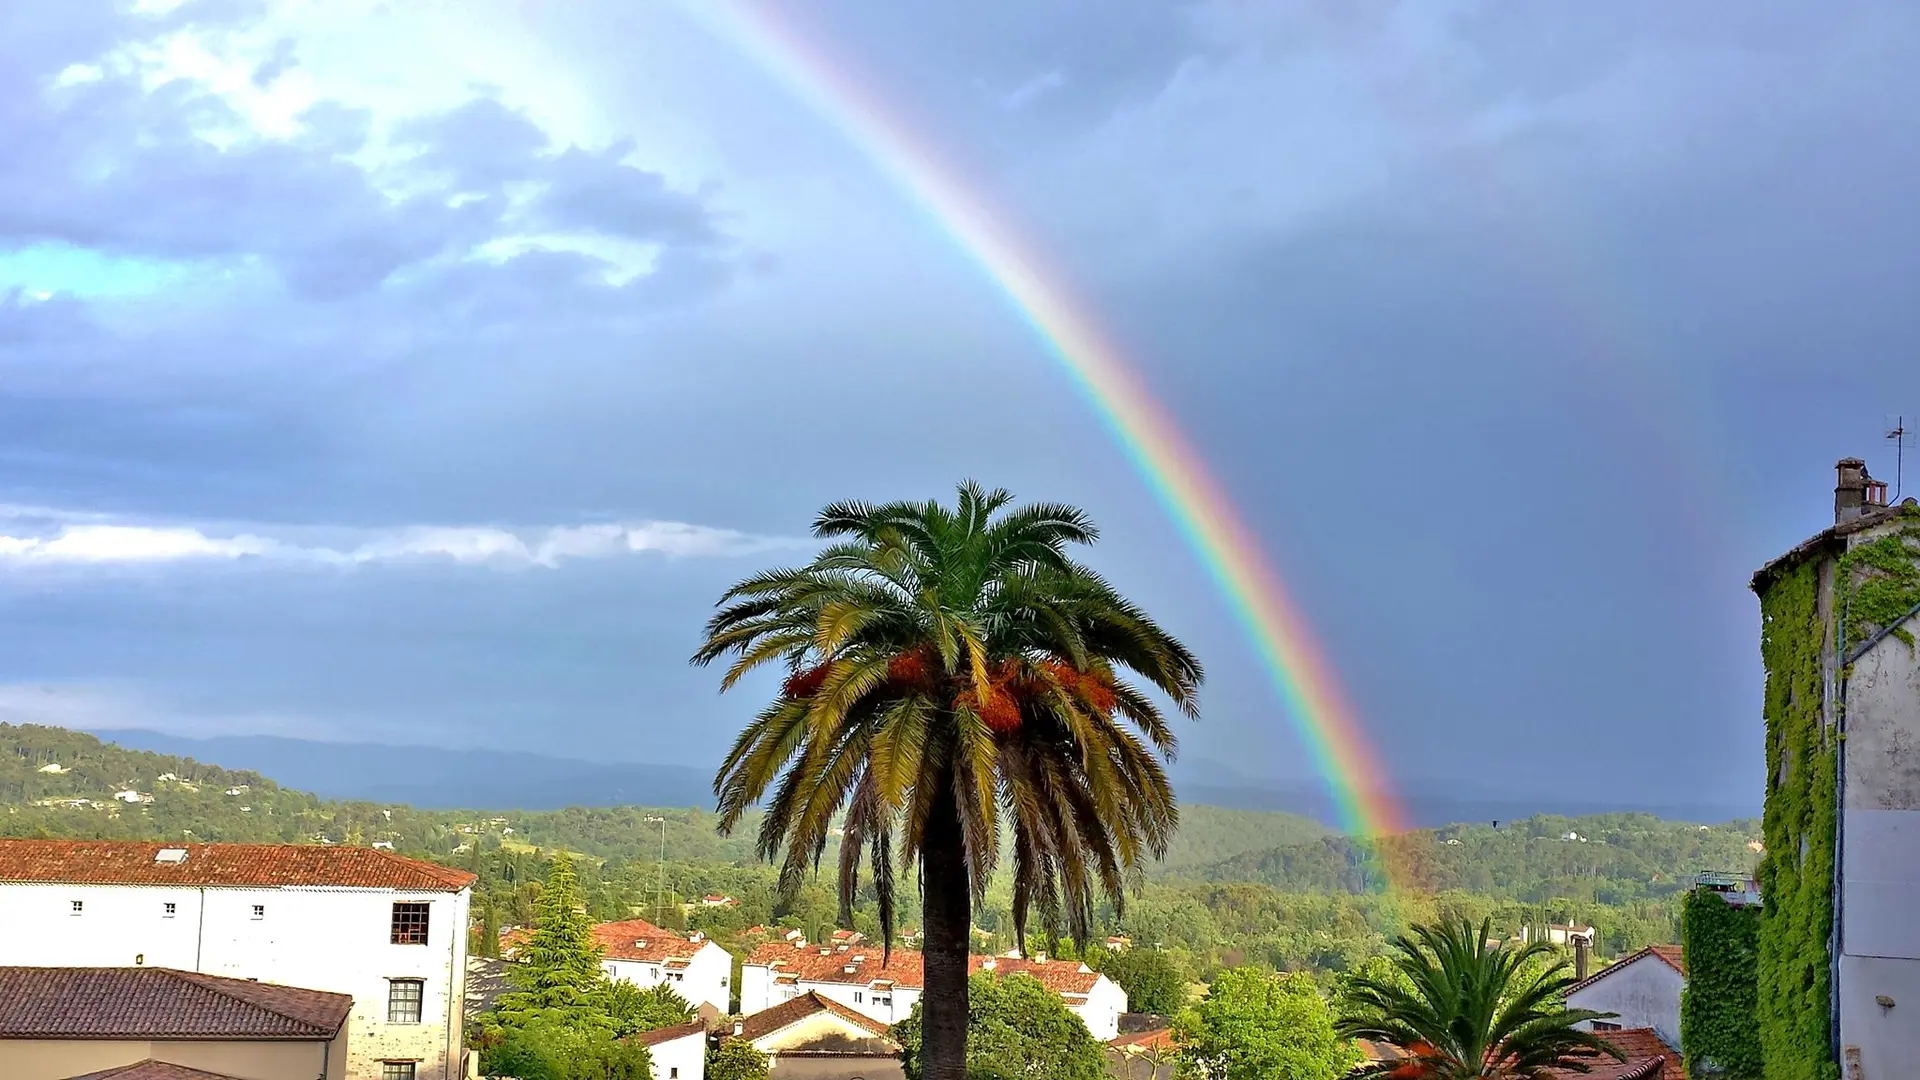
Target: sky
[422, 372]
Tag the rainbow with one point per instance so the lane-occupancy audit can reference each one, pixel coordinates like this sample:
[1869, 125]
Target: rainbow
[1306, 683]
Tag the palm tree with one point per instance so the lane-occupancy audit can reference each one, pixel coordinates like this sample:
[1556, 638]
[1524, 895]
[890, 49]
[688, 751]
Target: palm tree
[948, 670]
[1462, 1008]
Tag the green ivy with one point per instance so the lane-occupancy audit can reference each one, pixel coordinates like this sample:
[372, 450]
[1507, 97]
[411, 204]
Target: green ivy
[1718, 1025]
[1796, 875]
[1884, 582]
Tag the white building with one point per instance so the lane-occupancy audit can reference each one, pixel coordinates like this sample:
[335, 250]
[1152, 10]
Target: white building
[1643, 988]
[855, 977]
[646, 955]
[678, 1053]
[389, 931]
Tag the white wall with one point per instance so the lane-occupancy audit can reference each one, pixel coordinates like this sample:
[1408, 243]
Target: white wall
[1100, 1012]
[1646, 993]
[705, 979]
[330, 939]
[684, 1058]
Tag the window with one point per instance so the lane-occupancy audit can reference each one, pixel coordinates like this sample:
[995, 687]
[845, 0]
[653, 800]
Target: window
[1602, 1025]
[169, 909]
[673, 1072]
[856, 997]
[410, 925]
[679, 976]
[397, 1070]
[259, 911]
[78, 906]
[403, 1000]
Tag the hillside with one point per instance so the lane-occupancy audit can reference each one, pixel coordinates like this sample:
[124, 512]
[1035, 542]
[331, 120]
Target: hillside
[1610, 859]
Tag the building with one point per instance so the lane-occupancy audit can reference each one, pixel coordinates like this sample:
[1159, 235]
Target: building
[1648, 1057]
[1643, 988]
[388, 931]
[62, 1022]
[1143, 1055]
[1558, 934]
[811, 1037]
[646, 956]
[678, 1053]
[854, 976]
[1843, 779]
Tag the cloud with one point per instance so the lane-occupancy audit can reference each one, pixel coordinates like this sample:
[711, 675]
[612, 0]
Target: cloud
[122, 706]
[64, 539]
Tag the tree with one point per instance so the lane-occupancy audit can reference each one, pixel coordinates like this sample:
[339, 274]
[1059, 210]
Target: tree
[1152, 979]
[487, 934]
[1016, 1028]
[559, 967]
[736, 1059]
[1258, 1025]
[1463, 1009]
[635, 1010]
[546, 1049]
[948, 667]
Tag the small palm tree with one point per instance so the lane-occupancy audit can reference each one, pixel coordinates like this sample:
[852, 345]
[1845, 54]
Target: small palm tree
[1462, 1008]
[951, 670]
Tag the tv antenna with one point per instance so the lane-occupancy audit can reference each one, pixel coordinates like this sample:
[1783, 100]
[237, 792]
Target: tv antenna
[1897, 435]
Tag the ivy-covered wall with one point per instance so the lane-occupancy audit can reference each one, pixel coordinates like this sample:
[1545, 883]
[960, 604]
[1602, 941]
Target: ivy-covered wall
[1796, 876]
[1719, 1022]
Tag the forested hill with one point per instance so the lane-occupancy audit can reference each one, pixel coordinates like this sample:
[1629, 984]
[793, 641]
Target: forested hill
[55, 782]
[1605, 858]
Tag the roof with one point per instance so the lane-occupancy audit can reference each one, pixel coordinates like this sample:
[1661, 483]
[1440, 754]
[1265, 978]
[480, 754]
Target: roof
[1648, 1058]
[1825, 538]
[672, 1034]
[1373, 1052]
[819, 963]
[120, 862]
[623, 941]
[1668, 954]
[767, 1021]
[153, 1070]
[159, 1003]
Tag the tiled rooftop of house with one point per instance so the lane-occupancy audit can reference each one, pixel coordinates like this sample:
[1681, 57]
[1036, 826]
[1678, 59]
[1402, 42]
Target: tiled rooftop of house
[119, 862]
[638, 939]
[861, 966]
[1648, 1058]
[669, 1034]
[1669, 955]
[159, 1003]
[154, 1070]
[767, 1021]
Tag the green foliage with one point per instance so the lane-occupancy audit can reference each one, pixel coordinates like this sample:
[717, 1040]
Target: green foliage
[550, 1049]
[734, 1059]
[1256, 1025]
[1152, 978]
[635, 1010]
[559, 967]
[1883, 578]
[1796, 876]
[1017, 1029]
[1719, 1027]
[1463, 1008]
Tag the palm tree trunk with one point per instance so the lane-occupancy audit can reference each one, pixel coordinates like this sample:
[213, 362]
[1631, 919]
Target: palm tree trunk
[949, 930]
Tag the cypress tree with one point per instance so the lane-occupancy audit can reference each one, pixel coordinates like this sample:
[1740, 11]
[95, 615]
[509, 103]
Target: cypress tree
[559, 967]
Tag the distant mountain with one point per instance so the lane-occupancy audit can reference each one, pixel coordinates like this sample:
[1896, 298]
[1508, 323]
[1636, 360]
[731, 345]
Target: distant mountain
[438, 778]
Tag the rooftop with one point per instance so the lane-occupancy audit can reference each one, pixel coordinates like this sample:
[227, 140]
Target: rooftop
[160, 1003]
[1669, 955]
[670, 1034]
[121, 862]
[154, 1070]
[862, 966]
[767, 1021]
[1648, 1058]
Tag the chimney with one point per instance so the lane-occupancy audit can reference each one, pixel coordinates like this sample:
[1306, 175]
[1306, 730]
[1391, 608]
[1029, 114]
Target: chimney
[1850, 492]
[1580, 946]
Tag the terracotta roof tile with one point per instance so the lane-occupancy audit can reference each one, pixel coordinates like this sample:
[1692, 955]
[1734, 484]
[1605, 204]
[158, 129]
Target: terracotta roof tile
[767, 1021]
[1157, 1039]
[1667, 954]
[1648, 1058]
[669, 1034]
[155, 1003]
[153, 1070]
[622, 941]
[116, 862]
[819, 963]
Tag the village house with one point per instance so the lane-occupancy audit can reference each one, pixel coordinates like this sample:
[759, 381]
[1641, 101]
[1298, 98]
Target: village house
[678, 1053]
[646, 955]
[1648, 1057]
[1643, 988]
[811, 1037]
[854, 976]
[136, 1023]
[388, 931]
